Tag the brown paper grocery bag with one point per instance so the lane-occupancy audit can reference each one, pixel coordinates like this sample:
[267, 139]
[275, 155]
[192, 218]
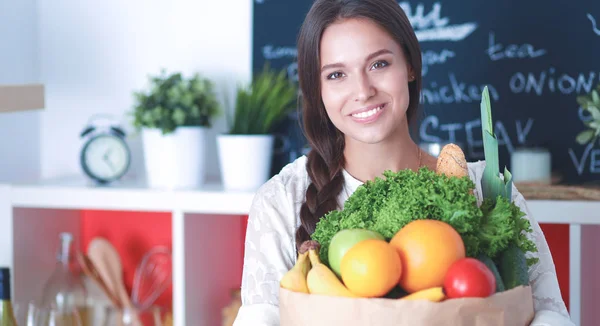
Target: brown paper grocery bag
[509, 308]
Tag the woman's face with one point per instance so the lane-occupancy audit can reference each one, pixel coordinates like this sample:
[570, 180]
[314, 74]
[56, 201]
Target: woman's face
[364, 80]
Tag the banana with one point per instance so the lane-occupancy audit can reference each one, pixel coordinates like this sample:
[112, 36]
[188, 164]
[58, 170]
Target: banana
[321, 279]
[295, 279]
[435, 294]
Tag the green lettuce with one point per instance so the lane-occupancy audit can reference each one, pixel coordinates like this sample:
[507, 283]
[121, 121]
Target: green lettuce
[387, 204]
[504, 224]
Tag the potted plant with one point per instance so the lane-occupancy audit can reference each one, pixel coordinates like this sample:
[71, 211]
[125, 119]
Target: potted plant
[246, 150]
[173, 114]
[591, 104]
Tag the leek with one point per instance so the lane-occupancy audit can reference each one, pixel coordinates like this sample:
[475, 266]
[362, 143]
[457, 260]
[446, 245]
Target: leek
[492, 183]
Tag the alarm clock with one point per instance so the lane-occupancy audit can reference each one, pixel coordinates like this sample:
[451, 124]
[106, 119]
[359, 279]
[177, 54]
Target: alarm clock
[105, 156]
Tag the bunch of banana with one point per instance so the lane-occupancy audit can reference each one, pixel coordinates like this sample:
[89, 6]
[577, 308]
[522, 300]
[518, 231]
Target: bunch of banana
[295, 279]
[310, 275]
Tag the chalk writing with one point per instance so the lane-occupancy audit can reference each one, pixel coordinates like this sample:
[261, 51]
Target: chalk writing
[522, 132]
[432, 58]
[594, 27]
[472, 133]
[277, 52]
[584, 115]
[456, 92]
[595, 161]
[292, 71]
[564, 83]
[497, 51]
[474, 140]
[432, 27]
[580, 162]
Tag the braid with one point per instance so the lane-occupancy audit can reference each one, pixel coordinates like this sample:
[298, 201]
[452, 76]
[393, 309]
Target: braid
[325, 161]
[321, 194]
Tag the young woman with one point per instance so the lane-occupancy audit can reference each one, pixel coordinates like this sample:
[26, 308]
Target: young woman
[360, 75]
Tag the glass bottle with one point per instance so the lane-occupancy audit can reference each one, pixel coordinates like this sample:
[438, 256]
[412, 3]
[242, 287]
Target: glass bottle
[7, 317]
[64, 295]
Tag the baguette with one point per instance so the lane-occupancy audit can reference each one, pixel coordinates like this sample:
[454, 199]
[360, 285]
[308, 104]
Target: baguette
[452, 162]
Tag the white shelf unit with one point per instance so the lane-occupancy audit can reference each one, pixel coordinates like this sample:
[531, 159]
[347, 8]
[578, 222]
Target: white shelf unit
[206, 233]
[207, 237]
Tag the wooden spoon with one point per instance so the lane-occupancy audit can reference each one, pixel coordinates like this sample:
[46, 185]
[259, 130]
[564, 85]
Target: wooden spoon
[108, 263]
[90, 270]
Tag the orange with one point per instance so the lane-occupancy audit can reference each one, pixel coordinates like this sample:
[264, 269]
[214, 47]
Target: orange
[427, 249]
[371, 268]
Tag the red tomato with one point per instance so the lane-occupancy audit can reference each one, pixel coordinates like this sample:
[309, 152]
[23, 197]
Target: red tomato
[468, 277]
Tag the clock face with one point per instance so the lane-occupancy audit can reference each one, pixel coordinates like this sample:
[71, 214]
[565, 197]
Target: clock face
[105, 158]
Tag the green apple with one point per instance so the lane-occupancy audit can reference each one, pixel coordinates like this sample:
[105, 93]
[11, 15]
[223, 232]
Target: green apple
[343, 240]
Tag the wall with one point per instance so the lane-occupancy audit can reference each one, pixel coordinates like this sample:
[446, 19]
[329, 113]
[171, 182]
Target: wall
[19, 131]
[94, 56]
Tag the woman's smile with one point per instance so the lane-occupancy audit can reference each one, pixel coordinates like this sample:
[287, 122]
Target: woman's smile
[369, 114]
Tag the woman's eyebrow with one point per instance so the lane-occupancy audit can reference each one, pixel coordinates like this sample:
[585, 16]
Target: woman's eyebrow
[369, 57]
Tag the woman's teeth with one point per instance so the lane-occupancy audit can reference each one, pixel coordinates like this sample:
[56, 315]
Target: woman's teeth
[367, 114]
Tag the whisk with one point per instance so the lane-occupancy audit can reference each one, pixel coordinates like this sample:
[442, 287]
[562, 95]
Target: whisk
[152, 277]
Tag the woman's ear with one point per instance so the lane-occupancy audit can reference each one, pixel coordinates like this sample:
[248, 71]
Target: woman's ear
[411, 74]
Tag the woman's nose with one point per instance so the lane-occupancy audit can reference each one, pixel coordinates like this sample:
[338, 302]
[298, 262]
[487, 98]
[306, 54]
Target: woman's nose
[364, 88]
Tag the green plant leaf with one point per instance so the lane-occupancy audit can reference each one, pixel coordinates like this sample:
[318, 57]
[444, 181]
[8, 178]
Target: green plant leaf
[595, 112]
[263, 103]
[595, 98]
[486, 113]
[179, 116]
[492, 184]
[585, 136]
[171, 100]
[583, 101]
[590, 103]
[507, 184]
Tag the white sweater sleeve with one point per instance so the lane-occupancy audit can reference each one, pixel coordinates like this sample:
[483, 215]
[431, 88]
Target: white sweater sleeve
[550, 309]
[269, 253]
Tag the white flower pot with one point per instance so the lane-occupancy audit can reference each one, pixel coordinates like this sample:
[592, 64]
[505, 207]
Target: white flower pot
[174, 160]
[245, 160]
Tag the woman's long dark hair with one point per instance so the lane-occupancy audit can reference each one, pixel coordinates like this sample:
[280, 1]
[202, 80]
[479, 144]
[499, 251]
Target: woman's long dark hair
[326, 158]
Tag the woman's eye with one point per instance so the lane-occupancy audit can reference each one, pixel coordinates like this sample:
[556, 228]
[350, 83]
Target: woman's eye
[380, 64]
[335, 75]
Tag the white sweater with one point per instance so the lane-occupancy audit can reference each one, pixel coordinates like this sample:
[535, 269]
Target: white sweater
[270, 248]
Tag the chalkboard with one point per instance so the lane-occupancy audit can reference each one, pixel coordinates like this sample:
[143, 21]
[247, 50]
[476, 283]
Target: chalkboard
[535, 57]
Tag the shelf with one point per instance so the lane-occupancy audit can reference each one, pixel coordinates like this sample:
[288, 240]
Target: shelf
[80, 193]
[77, 192]
[565, 211]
